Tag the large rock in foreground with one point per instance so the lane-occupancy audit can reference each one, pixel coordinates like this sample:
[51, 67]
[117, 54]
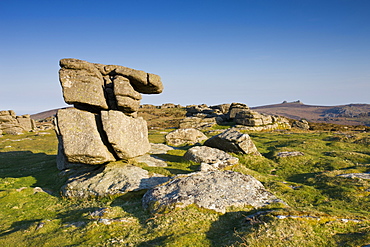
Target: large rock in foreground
[127, 135]
[80, 139]
[232, 140]
[111, 180]
[216, 190]
[185, 137]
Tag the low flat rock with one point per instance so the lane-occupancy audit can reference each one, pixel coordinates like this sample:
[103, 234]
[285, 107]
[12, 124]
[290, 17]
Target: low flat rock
[185, 137]
[216, 190]
[111, 180]
[211, 156]
[289, 154]
[127, 135]
[356, 175]
[159, 148]
[151, 160]
[234, 141]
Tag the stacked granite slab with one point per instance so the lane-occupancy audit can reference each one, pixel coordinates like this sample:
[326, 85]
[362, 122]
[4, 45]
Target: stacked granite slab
[103, 125]
[12, 124]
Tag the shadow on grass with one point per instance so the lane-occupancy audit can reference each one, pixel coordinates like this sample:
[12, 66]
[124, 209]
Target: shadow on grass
[42, 167]
[19, 226]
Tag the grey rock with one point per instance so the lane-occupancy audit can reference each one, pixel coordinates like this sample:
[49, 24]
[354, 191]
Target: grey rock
[185, 137]
[82, 83]
[111, 180]
[159, 148]
[128, 136]
[128, 100]
[151, 160]
[301, 124]
[235, 108]
[15, 130]
[356, 175]
[82, 142]
[215, 190]
[232, 140]
[197, 122]
[289, 154]
[214, 157]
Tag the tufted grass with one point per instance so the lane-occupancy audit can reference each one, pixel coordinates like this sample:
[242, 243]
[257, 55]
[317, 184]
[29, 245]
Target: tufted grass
[324, 209]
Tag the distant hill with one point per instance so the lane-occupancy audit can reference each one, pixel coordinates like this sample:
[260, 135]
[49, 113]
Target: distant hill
[352, 114]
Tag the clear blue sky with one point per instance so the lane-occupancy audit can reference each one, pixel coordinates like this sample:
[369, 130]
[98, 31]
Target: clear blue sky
[257, 52]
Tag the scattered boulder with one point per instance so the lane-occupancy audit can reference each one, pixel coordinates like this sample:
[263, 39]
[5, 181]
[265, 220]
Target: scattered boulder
[301, 124]
[185, 137]
[151, 160]
[210, 157]
[215, 190]
[110, 180]
[289, 154]
[232, 140]
[159, 148]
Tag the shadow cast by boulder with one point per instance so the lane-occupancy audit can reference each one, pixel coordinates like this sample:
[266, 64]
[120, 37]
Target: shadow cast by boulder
[41, 166]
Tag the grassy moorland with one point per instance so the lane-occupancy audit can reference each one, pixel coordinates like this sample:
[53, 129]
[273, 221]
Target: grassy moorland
[323, 209]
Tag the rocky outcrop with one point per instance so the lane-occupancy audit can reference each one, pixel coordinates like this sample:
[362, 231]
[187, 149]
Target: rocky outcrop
[301, 124]
[103, 126]
[236, 108]
[215, 190]
[185, 137]
[210, 158]
[204, 117]
[198, 122]
[232, 140]
[12, 124]
[110, 180]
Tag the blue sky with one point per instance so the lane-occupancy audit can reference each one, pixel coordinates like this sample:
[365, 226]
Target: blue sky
[257, 52]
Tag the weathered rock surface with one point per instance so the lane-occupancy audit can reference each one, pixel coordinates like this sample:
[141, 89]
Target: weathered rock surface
[159, 148]
[151, 160]
[232, 140]
[81, 139]
[214, 157]
[82, 83]
[92, 86]
[111, 180]
[128, 136]
[289, 154]
[356, 175]
[235, 108]
[216, 190]
[301, 124]
[185, 137]
[15, 125]
[197, 123]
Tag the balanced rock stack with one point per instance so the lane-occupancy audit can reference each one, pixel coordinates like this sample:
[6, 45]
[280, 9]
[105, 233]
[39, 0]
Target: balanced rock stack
[103, 125]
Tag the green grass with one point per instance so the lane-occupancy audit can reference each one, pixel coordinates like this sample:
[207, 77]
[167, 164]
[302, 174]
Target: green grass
[319, 201]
